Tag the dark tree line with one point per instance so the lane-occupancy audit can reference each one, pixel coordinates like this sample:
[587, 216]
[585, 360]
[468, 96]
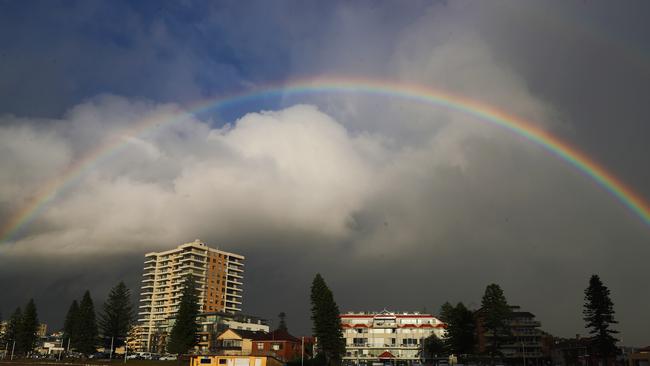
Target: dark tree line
[21, 333]
[493, 321]
[82, 330]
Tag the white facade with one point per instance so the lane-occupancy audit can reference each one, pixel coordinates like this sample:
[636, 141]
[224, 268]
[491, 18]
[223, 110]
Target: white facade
[163, 276]
[386, 336]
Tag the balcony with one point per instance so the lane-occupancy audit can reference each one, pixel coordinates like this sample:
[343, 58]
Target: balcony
[233, 281]
[192, 259]
[229, 345]
[235, 268]
[387, 346]
[234, 274]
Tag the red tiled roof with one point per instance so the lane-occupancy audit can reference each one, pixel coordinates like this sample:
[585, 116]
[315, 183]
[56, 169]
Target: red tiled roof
[409, 326]
[386, 354]
[414, 316]
[387, 315]
[278, 335]
[360, 326]
[356, 316]
[441, 325]
[426, 326]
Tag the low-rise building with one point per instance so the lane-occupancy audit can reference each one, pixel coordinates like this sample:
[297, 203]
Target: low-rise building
[640, 357]
[134, 340]
[214, 323]
[387, 336]
[223, 360]
[525, 344]
[278, 344]
[234, 342]
[577, 351]
[41, 332]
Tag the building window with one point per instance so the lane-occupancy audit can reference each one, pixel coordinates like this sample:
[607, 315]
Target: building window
[260, 346]
[359, 341]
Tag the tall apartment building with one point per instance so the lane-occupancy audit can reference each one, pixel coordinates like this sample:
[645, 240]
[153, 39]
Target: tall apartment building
[218, 275]
[385, 336]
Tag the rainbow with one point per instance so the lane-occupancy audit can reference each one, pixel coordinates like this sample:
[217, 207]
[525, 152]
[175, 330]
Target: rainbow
[373, 87]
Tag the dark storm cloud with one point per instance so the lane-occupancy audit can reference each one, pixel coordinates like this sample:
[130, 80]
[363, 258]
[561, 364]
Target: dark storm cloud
[57, 53]
[399, 205]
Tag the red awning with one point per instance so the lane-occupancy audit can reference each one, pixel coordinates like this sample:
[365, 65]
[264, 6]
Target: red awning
[386, 354]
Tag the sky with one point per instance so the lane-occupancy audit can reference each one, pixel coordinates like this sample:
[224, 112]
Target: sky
[398, 204]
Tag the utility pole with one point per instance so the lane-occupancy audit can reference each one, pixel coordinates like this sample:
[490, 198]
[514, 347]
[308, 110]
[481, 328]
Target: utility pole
[302, 352]
[126, 347]
[111, 353]
[12, 350]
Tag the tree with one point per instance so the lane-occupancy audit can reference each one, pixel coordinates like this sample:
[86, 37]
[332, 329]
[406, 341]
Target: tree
[71, 326]
[599, 315]
[13, 327]
[183, 335]
[495, 316]
[86, 341]
[283, 323]
[326, 322]
[27, 334]
[446, 311]
[433, 346]
[461, 328]
[117, 315]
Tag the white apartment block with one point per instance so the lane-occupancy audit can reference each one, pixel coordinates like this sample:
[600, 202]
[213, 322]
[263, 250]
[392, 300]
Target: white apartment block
[387, 337]
[218, 275]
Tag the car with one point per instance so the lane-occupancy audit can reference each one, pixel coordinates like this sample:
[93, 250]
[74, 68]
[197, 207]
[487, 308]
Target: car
[99, 356]
[168, 358]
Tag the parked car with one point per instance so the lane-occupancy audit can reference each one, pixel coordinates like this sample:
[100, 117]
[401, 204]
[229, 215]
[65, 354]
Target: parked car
[99, 356]
[168, 358]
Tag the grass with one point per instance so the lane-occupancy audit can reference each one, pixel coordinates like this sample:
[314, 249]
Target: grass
[88, 362]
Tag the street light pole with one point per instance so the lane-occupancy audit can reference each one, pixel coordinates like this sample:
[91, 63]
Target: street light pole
[12, 350]
[110, 355]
